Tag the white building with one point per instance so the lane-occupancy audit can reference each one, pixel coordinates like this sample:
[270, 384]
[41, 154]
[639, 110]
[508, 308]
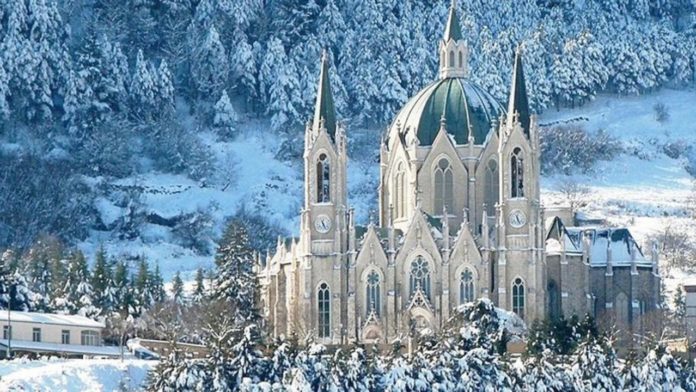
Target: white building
[460, 218]
[47, 333]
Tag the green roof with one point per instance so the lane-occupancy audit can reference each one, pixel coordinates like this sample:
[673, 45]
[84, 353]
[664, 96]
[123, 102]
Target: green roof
[453, 31]
[518, 94]
[464, 106]
[324, 109]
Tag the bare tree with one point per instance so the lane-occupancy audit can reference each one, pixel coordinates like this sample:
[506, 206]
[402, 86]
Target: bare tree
[576, 195]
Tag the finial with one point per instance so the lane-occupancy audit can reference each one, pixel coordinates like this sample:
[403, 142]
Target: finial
[443, 122]
[453, 4]
[324, 55]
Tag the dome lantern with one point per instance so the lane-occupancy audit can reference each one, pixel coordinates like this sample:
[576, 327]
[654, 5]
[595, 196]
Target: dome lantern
[454, 51]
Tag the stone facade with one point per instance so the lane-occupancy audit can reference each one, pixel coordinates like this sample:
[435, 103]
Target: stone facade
[460, 219]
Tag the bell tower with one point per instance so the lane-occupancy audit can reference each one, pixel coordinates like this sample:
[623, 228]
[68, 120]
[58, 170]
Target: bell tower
[520, 267]
[324, 221]
[324, 216]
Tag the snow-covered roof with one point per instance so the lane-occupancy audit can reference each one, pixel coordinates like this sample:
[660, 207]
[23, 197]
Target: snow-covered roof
[603, 242]
[50, 318]
[43, 347]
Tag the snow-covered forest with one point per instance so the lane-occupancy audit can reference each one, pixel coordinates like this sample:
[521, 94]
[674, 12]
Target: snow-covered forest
[92, 91]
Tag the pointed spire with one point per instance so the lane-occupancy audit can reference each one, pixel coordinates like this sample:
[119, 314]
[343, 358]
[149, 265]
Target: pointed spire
[454, 51]
[518, 108]
[453, 31]
[325, 112]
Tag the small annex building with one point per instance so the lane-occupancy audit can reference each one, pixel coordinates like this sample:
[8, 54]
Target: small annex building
[52, 334]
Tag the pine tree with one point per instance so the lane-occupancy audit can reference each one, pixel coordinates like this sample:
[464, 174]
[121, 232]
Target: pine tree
[658, 371]
[247, 361]
[102, 283]
[199, 291]
[122, 292]
[156, 285]
[235, 280]
[178, 289]
[594, 366]
[143, 89]
[164, 86]
[142, 294]
[679, 306]
[210, 66]
[226, 118]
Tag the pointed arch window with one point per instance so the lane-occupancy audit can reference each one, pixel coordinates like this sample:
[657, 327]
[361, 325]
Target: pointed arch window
[461, 59]
[323, 179]
[451, 58]
[466, 286]
[400, 191]
[420, 276]
[517, 173]
[518, 297]
[373, 297]
[444, 187]
[491, 187]
[324, 311]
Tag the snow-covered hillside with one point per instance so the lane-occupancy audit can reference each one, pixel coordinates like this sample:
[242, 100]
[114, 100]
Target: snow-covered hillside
[73, 375]
[641, 188]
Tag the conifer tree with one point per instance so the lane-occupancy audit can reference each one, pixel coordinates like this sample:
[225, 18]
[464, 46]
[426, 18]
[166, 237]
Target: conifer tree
[235, 280]
[199, 291]
[156, 285]
[225, 119]
[178, 289]
[122, 292]
[210, 65]
[102, 282]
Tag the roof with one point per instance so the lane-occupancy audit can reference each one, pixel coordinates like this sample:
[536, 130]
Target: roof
[453, 31]
[624, 248]
[463, 105]
[50, 319]
[324, 109]
[43, 347]
[519, 102]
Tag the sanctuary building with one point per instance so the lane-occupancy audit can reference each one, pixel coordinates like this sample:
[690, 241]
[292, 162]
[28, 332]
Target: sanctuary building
[459, 218]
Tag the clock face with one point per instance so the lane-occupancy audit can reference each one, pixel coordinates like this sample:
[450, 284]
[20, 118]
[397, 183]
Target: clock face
[517, 218]
[322, 224]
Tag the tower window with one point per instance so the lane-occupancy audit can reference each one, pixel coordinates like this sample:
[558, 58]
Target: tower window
[466, 286]
[399, 191]
[444, 187]
[323, 179]
[324, 307]
[517, 173]
[451, 58]
[518, 297]
[461, 59]
[373, 298]
[420, 276]
[491, 187]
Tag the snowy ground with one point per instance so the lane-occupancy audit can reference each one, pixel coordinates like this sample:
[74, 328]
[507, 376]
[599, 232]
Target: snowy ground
[642, 189]
[73, 375]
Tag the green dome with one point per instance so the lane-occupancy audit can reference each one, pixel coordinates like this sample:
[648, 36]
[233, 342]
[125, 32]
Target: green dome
[463, 104]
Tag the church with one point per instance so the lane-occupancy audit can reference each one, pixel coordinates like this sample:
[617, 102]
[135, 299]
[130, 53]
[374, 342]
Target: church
[460, 218]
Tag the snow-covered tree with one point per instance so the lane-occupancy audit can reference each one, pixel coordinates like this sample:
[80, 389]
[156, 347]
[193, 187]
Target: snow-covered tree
[595, 367]
[178, 289]
[143, 89]
[210, 66]
[658, 371]
[226, 118]
[235, 280]
[199, 291]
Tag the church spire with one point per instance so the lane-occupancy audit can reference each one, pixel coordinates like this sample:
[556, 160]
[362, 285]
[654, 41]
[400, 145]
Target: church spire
[518, 108]
[324, 112]
[454, 51]
[453, 31]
